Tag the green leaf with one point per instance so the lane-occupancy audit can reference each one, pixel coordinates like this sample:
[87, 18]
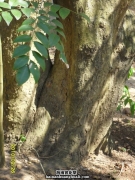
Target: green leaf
[42, 38]
[21, 50]
[132, 108]
[126, 91]
[25, 28]
[42, 12]
[41, 49]
[126, 101]
[131, 72]
[13, 3]
[34, 70]
[44, 27]
[60, 32]
[53, 14]
[23, 38]
[46, 4]
[57, 23]
[63, 58]
[130, 102]
[55, 7]
[23, 138]
[35, 4]
[59, 47]
[20, 62]
[23, 3]
[43, 18]
[5, 5]
[1, 9]
[28, 21]
[123, 97]
[64, 12]
[119, 107]
[27, 11]
[7, 17]
[22, 75]
[53, 39]
[85, 16]
[17, 14]
[18, 2]
[39, 59]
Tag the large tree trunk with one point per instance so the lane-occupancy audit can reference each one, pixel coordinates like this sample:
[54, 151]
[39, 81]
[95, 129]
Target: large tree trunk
[74, 113]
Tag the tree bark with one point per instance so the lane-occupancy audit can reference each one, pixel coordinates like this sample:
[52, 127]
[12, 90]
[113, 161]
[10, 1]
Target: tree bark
[2, 154]
[75, 109]
[19, 105]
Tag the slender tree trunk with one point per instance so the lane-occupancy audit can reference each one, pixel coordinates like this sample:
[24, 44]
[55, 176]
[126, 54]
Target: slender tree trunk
[2, 155]
[19, 104]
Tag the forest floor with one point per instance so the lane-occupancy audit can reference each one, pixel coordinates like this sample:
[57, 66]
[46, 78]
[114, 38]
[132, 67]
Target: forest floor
[119, 166]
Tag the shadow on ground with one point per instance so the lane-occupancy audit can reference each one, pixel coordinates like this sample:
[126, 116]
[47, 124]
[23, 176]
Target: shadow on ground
[124, 134]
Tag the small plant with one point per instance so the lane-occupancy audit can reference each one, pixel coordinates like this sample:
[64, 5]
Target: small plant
[131, 72]
[22, 138]
[126, 99]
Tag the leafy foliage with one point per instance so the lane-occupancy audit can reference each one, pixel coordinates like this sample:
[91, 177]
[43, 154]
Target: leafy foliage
[126, 99]
[41, 23]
